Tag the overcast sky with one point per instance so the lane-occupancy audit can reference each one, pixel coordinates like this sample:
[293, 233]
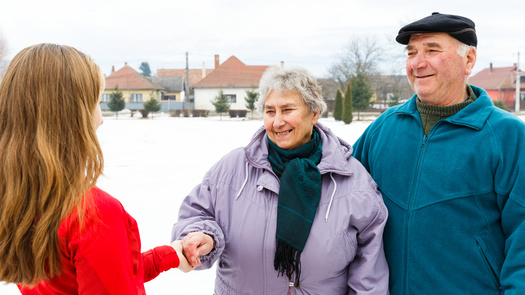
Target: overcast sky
[299, 32]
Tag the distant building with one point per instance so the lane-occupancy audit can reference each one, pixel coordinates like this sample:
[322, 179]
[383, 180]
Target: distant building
[500, 84]
[194, 75]
[390, 90]
[173, 88]
[233, 77]
[137, 88]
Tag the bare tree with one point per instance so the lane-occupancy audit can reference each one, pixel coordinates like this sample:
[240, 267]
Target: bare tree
[329, 90]
[362, 54]
[392, 90]
[3, 55]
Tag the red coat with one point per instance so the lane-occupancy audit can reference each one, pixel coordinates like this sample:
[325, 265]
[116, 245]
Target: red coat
[103, 257]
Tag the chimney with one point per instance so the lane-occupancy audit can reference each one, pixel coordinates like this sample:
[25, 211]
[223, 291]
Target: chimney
[282, 64]
[490, 71]
[203, 70]
[216, 61]
[112, 69]
[125, 63]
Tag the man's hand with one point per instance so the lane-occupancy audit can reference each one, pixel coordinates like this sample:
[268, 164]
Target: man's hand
[196, 244]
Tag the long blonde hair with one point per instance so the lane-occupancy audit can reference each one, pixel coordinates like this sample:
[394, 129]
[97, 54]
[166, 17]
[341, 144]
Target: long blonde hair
[49, 155]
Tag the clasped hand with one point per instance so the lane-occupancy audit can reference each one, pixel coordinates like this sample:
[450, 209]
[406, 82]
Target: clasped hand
[196, 244]
[190, 248]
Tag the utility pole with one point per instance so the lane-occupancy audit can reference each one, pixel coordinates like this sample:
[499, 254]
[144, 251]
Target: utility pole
[187, 84]
[518, 81]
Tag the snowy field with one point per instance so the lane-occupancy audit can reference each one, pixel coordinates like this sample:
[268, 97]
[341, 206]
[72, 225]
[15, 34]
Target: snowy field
[150, 166]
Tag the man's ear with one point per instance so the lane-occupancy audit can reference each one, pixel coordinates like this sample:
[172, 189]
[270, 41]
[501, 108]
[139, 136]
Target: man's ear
[470, 60]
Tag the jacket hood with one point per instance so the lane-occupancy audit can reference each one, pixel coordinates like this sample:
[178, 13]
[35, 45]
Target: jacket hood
[336, 151]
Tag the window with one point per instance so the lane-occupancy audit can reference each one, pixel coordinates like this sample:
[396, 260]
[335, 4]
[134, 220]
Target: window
[136, 97]
[232, 98]
[522, 95]
[169, 97]
[105, 97]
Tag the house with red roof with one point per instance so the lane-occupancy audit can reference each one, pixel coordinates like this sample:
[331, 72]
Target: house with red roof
[137, 88]
[500, 84]
[233, 77]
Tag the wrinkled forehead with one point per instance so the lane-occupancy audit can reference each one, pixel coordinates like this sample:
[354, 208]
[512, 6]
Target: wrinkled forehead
[278, 99]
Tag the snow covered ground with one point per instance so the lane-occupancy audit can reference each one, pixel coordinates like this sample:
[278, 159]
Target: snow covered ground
[150, 166]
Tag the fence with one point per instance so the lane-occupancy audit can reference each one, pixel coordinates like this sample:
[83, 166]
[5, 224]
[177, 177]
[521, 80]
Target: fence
[166, 106]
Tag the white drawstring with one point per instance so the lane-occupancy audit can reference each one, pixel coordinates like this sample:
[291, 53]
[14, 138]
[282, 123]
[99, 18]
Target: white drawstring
[329, 204]
[331, 198]
[244, 183]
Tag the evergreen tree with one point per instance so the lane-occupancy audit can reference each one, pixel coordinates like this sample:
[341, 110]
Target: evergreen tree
[348, 104]
[152, 104]
[144, 68]
[338, 107]
[501, 104]
[251, 98]
[116, 101]
[361, 92]
[393, 100]
[221, 103]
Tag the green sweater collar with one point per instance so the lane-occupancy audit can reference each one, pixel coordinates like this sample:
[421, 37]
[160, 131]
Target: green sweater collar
[431, 114]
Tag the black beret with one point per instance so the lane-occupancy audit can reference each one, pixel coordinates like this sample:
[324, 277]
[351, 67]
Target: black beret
[459, 27]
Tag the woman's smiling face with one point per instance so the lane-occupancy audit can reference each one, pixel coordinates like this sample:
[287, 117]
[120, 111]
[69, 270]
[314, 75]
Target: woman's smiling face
[287, 120]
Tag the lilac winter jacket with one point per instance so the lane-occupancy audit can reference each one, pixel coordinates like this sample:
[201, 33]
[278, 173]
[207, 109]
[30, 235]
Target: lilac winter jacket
[236, 203]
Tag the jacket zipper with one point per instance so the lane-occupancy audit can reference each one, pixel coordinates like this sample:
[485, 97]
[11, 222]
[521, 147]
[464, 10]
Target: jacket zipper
[409, 208]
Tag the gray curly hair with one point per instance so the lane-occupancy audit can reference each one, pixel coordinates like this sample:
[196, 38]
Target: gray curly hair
[291, 80]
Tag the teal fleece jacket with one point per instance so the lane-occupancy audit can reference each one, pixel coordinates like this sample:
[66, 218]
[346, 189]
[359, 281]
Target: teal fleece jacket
[456, 198]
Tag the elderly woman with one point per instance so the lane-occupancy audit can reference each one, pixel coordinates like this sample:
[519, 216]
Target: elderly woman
[292, 212]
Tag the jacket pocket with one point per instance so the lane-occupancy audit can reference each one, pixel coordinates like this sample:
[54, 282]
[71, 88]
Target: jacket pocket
[343, 254]
[488, 256]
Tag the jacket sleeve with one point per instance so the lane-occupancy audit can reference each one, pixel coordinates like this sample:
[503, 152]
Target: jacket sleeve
[368, 272]
[197, 214]
[509, 182]
[157, 260]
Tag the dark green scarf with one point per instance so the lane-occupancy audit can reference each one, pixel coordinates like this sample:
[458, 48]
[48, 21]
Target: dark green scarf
[299, 195]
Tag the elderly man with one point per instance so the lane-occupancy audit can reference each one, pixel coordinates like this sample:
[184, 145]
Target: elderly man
[451, 169]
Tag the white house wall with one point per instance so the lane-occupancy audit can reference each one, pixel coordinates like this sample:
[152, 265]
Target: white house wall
[204, 97]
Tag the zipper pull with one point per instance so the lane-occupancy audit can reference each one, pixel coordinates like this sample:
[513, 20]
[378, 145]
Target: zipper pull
[290, 287]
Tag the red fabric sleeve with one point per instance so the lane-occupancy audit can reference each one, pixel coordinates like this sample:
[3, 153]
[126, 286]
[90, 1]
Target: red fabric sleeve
[158, 260]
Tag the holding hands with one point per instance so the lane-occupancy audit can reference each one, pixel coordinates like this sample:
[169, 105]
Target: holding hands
[183, 262]
[196, 244]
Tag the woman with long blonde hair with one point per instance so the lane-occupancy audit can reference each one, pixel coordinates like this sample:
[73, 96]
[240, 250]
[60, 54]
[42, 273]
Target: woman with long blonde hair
[59, 233]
